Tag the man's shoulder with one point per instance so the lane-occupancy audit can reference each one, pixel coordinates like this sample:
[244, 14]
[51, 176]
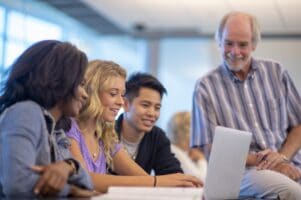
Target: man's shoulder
[157, 138]
[214, 74]
[156, 132]
[211, 73]
[270, 63]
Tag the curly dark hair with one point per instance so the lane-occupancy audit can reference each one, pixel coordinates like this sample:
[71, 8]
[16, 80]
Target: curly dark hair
[47, 72]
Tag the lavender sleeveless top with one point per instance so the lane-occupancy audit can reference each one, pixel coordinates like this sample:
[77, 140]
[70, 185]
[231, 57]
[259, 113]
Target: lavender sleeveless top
[98, 166]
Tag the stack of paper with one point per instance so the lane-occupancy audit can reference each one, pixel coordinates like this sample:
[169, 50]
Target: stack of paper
[151, 193]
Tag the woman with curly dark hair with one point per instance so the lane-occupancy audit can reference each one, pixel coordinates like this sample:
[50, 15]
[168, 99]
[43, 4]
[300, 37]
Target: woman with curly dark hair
[45, 84]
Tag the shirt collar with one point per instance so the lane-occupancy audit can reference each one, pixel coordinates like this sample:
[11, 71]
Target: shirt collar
[50, 122]
[228, 73]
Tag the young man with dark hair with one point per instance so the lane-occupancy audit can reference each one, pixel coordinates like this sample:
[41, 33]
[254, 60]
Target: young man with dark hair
[146, 143]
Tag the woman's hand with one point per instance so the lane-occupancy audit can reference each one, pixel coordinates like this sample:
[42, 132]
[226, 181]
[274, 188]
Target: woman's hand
[178, 180]
[53, 178]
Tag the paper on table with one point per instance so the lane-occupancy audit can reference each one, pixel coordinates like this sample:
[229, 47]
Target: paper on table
[149, 193]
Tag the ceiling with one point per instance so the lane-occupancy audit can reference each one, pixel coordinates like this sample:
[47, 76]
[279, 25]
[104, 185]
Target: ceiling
[83, 13]
[180, 18]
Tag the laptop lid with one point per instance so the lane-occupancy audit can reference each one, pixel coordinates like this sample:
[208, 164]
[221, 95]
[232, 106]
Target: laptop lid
[226, 163]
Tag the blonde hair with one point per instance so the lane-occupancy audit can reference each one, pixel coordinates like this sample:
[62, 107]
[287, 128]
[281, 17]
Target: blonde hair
[179, 126]
[98, 76]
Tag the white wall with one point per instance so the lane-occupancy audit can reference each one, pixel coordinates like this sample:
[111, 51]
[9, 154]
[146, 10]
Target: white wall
[183, 61]
[126, 51]
[287, 52]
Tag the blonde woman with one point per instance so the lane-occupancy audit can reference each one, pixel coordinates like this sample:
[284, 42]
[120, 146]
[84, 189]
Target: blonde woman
[192, 160]
[94, 142]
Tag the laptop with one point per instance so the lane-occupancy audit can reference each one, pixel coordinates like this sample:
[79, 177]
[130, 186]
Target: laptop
[226, 163]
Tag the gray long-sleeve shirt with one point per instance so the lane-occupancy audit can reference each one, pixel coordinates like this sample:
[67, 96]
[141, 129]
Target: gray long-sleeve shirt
[26, 138]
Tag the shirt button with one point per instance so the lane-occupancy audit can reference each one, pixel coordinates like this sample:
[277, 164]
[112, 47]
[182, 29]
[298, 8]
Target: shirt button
[256, 124]
[251, 105]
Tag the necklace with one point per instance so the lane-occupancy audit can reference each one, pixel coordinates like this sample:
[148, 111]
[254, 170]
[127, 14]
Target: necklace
[94, 155]
[130, 147]
[95, 151]
[134, 154]
[89, 142]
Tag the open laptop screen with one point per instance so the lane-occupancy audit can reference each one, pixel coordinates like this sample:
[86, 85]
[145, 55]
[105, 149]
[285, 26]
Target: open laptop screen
[226, 163]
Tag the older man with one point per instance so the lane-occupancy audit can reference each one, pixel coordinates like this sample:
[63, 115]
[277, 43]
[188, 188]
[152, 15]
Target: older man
[257, 96]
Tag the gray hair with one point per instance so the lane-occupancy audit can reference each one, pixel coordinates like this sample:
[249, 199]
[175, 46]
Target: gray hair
[256, 35]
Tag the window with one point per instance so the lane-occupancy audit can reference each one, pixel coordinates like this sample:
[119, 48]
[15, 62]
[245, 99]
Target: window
[41, 30]
[23, 30]
[1, 20]
[16, 25]
[1, 36]
[13, 50]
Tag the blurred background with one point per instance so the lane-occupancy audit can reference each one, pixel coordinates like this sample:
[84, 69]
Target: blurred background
[172, 39]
